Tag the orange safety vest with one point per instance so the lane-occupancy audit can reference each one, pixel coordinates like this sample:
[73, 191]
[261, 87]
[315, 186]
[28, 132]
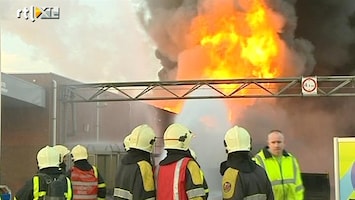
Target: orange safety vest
[171, 180]
[85, 184]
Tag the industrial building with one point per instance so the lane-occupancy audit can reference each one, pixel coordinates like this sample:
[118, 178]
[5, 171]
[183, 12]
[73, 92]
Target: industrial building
[34, 116]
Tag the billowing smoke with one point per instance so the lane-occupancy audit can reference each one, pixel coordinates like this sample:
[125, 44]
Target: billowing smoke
[320, 32]
[168, 23]
[330, 26]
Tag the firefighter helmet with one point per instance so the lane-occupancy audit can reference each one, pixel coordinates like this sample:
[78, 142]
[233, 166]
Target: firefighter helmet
[47, 157]
[62, 150]
[79, 152]
[237, 139]
[142, 137]
[177, 136]
[126, 143]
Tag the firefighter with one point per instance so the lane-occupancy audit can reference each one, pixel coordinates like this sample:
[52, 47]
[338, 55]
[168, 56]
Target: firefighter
[64, 152]
[48, 165]
[135, 177]
[282, 168]
[243, 178]
[179, 174]
[86, 179]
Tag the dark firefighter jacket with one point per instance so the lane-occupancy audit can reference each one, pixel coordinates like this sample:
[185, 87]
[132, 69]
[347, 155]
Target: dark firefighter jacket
[35, 187]
[186, 184]
[84, 165]
[244, 179]
[135, 178]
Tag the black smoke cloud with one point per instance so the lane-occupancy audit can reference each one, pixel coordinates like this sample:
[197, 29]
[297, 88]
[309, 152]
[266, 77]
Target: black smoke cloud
[330, 26]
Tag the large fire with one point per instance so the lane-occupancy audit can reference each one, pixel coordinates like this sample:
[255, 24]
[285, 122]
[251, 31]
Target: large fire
[231, 39]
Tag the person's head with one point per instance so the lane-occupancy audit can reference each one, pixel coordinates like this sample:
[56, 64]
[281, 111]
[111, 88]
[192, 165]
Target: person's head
[48, 157]
[142, 138]
[237, 139]
[177, 136]
[79, 152]
[276, 142]
[126, 143]
[63, 151]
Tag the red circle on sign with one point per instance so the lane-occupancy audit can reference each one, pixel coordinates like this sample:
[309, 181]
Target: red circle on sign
[313, 88]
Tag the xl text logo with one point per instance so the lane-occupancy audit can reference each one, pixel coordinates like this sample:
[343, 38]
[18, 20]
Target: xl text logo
[33, 12]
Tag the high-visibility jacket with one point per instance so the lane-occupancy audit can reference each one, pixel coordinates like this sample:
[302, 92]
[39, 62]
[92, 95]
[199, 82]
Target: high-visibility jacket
[85, 166]
[39, 188]
[85, 185]
[284, 174]
[180, 180]
[35, 188]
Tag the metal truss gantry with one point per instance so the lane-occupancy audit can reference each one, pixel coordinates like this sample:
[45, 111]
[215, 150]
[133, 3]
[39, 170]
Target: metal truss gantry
[326, 86]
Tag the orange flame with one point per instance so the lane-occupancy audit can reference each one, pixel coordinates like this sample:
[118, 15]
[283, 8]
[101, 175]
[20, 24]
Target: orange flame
[232, 39]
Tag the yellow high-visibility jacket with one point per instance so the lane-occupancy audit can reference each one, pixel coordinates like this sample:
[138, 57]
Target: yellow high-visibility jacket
[284, 174]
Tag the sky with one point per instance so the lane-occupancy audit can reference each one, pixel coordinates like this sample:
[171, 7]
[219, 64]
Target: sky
[92, 41]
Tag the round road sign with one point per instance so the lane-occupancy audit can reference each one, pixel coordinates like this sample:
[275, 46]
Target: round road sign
[309, 84]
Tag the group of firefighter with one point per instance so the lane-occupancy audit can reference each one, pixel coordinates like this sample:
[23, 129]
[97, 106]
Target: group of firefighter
[53, 181]
[271, 174]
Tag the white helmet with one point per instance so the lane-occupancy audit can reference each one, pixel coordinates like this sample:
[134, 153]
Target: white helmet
[79, 152]
[177, 136]
[47, 157]
[237, 139]
[63, 151]
[126, 143]
[142, 137]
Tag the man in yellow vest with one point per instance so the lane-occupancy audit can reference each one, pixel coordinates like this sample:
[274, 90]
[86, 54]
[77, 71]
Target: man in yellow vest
[282, 168]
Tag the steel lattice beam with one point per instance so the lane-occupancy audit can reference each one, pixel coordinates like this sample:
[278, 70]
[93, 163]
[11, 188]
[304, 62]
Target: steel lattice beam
[206, 89]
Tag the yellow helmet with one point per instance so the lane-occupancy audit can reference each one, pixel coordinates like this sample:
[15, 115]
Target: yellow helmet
[63, 151]
[47, 157]
[177, 136]
[79, 152]
[237, 139]
[143, 138]
[126, 143]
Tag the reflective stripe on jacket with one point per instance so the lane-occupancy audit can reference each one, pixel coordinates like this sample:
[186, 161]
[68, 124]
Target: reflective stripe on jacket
[85, 183]
[39, 192]
[175, 189]
[135, 181]
[253, 185]
[180, 180]
[284, 175]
